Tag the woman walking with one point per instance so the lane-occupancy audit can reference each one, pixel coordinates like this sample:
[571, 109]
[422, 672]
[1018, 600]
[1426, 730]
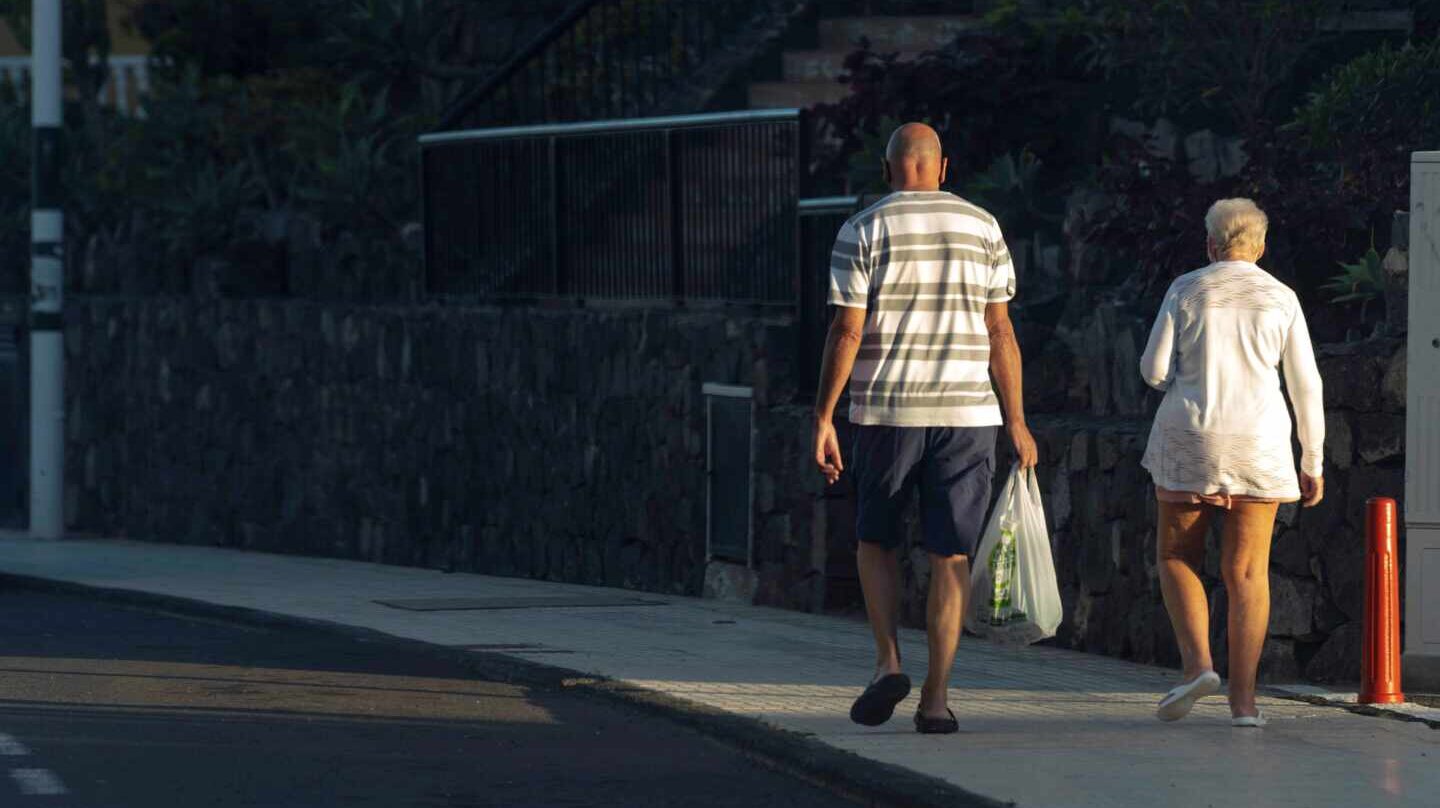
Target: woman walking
[1220, 445]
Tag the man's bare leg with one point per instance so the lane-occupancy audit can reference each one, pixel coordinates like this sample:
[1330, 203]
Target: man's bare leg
[949, 590]
[880, 582]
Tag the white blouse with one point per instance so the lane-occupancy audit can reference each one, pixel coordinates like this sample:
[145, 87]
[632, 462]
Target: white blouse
[1222, 333]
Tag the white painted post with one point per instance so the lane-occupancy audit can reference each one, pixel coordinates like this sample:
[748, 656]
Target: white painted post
[47, 280]
[1421, 661]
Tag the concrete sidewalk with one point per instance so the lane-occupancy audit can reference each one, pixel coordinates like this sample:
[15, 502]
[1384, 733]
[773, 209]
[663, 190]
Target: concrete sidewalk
[1039, 726]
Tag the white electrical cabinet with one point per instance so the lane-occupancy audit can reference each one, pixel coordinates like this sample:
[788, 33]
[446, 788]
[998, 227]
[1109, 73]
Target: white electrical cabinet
[1422, 432]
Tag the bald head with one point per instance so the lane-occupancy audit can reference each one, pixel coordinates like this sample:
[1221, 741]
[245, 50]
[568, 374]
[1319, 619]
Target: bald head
[912, 159]
[913, 141]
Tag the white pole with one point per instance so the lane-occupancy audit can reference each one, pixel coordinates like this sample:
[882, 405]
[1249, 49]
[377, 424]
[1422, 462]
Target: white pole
[47, 280]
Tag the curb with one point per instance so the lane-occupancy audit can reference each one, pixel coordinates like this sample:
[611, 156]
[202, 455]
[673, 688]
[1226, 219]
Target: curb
[1368, 710]
[785, 751]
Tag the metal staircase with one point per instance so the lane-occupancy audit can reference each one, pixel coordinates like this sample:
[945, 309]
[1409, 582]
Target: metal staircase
[609, 59]
[811, 76]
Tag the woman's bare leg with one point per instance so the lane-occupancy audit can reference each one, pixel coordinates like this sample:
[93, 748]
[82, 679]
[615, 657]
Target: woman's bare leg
[1245, 565]
[1180, 554]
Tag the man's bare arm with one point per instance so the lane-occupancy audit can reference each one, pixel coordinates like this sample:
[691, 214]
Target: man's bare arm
[841, 346]
[1007, 371]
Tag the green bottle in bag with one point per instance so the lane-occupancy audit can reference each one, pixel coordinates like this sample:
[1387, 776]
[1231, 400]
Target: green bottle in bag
[1016, 597]
[1002, 565]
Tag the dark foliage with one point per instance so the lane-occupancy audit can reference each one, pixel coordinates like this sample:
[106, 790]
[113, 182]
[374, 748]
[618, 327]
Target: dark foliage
[270, 121]
[1157, 222]
[1362, 122]
[1226, 65]
[235, 38]
[990, 94]
[1047, 78]
[1330, 180]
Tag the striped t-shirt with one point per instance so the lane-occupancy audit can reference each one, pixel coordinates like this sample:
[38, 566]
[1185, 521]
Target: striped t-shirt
[924, 264]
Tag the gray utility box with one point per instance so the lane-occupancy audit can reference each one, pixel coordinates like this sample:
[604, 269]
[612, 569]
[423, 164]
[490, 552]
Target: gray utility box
[730, 473]
[1422, 432]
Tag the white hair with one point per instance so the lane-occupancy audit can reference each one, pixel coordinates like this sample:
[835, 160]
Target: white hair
[1236, 225]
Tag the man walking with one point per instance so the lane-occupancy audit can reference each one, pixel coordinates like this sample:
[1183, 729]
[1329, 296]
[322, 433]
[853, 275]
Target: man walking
[921, 281]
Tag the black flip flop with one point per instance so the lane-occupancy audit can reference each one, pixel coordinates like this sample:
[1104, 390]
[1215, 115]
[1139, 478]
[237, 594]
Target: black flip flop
[877, 703]
[936, 726]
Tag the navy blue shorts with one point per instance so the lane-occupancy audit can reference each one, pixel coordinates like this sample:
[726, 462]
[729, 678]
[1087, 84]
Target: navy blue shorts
[952, 466]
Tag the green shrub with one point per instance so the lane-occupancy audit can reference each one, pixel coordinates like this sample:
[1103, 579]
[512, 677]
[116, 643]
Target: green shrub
[1018, 86]
[1365, 118]
[1389, 94]
[1225, 65]
[234, 38]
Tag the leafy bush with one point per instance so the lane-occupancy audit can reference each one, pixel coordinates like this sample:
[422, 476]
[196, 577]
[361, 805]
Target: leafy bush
[991, 93]
[1009, 188]
[1155, 227]
[236, 38]
[1225, 65]
[1363, 121]
[292, 142]
[1152, 228]
[239, 139]
[1023, 109]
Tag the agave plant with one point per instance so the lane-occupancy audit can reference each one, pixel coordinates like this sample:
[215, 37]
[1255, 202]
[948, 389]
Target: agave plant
[864, 174]
[1361, 282]
[1008, 187]
[206, 212]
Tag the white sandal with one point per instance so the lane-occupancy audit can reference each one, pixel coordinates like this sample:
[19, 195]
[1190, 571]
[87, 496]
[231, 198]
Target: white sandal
[1255, 721]
[1178, 702]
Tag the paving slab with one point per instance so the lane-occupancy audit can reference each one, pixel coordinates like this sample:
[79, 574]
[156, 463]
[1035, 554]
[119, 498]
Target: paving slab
[1040, 726]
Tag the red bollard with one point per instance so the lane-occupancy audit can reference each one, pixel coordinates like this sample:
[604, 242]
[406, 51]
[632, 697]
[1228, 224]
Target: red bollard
[1380, 643]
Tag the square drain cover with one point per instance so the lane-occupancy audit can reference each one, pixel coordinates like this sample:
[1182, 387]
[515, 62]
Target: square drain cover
[533, 602]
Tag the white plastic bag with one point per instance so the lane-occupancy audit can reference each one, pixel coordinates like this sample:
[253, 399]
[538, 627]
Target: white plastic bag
[1014, 598]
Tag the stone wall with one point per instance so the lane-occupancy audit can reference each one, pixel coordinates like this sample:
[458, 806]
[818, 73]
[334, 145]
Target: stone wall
[558, 444]
[1101, 511]
[568, 444]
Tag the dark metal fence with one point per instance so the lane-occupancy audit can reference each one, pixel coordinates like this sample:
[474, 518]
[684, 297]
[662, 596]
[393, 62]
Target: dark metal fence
[605, 59]
[687, 208]
[819, 220]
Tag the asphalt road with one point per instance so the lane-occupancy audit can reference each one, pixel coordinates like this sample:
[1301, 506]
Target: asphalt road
[104, 705]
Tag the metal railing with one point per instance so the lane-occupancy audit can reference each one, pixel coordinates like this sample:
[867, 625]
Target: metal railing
[124, 90]
[679, 209]
[819, 220]
[604, 59]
